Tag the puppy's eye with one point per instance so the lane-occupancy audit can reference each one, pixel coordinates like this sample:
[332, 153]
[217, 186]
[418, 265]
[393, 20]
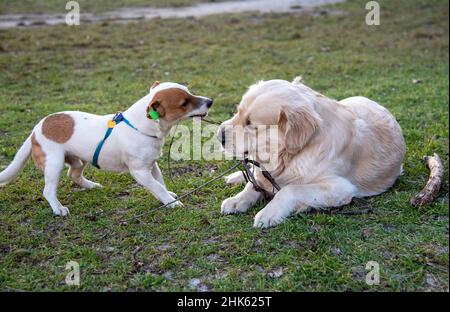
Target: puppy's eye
[247, 121]
[185, 103]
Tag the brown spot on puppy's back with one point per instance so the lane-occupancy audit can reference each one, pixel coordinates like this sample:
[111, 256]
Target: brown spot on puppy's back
[37, 154]
[58, 127]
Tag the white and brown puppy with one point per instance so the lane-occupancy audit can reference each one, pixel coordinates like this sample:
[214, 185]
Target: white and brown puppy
[329, 151]
[72, 137]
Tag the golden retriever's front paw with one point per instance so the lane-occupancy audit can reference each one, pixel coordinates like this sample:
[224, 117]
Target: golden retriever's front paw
[233, 205]
[269, 217]
[235, 178]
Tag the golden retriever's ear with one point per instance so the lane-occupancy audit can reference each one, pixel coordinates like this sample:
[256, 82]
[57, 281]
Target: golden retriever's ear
[298, 124]
[155, 84]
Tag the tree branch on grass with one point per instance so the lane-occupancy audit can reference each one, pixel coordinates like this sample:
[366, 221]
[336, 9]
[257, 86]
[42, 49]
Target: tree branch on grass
[431, 189]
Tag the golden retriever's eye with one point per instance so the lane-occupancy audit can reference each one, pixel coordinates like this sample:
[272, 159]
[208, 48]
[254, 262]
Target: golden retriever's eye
[185, 102]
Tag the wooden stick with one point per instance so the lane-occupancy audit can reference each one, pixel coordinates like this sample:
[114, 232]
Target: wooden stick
[431, 189]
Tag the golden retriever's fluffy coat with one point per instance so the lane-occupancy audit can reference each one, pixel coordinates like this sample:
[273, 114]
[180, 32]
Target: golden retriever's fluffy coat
[329, 151]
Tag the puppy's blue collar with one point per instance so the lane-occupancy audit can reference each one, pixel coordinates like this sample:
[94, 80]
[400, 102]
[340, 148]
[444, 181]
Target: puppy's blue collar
[118, 118]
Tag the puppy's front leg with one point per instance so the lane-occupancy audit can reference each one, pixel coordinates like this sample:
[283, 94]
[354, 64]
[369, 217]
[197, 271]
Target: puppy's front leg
[242, 201]
[157, 174]
[143, 177]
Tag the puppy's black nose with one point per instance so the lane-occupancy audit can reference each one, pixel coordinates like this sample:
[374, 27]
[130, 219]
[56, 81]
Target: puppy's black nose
[209, 102]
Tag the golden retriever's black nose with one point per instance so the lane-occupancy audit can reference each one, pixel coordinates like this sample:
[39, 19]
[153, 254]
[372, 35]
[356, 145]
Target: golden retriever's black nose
[209, 102]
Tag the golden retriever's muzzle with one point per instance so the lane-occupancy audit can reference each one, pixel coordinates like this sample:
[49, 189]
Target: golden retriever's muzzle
[234, 139]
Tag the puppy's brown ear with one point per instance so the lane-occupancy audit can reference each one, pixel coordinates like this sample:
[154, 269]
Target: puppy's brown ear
[156, 105]
[155, 84]
[298, 124]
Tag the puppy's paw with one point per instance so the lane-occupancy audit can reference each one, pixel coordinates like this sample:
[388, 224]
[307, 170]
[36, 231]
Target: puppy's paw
[94, 185]
[88, 185]
[269, 217]
[235, 178]
[176, 205]
[233, 205]
[62, 212]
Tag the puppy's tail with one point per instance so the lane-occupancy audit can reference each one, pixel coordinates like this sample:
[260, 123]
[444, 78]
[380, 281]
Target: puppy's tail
[298, 80]
[17, 164]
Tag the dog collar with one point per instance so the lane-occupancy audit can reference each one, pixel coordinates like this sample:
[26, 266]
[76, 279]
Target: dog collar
[118, 118]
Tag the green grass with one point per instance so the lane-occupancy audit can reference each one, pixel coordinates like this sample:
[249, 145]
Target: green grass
[105, 68]
[58, 6]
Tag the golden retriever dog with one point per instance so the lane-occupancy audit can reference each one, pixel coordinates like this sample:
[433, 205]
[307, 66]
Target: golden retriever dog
[328, 151]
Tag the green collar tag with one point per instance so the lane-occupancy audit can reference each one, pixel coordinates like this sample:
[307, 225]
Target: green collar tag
[153, 114]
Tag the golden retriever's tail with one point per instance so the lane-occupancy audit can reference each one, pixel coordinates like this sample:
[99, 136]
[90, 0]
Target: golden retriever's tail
[17, 164]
